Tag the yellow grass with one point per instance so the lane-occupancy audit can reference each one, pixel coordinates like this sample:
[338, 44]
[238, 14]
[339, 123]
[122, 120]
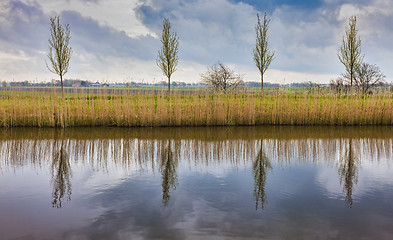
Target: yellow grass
[37, 109]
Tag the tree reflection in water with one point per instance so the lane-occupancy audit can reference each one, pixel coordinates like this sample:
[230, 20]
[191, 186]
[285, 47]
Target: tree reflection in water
[168, 170]
[61, 173]
[161, 149]
[260, 167]
[348, 171]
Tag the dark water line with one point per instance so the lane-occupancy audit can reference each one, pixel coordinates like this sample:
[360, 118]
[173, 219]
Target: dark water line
[201, 133]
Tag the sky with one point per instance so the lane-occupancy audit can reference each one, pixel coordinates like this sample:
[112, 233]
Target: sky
[118, 40]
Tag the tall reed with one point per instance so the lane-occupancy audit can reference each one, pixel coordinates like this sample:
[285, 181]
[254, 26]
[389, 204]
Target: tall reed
[40, 109]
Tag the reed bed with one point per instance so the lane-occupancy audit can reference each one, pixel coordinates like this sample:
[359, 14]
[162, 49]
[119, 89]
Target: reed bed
[134, 153]
[37, 109]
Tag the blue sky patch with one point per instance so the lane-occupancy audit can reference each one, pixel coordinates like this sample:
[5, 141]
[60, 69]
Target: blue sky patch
[270, 5]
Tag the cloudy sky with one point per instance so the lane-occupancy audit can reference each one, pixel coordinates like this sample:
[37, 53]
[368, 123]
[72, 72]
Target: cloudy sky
[118, 40]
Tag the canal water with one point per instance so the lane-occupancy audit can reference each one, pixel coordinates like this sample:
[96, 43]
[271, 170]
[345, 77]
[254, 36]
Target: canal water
[197, 183]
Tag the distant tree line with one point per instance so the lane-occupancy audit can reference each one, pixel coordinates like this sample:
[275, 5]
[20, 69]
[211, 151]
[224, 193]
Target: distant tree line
[85, 83]
[56, 83]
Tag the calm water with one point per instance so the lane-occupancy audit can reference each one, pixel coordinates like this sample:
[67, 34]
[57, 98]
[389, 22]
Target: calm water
[197, 183]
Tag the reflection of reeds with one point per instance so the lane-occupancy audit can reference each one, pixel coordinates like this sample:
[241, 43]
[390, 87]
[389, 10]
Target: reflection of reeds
[146, 154]
[202, 109]
[203, 133]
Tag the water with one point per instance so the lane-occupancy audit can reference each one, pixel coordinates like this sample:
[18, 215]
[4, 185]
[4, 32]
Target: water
[197, 183]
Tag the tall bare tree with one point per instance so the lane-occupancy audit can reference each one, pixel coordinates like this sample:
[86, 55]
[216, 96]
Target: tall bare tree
[262, 55]
[59, 50]
[350, 50]
[168, 58]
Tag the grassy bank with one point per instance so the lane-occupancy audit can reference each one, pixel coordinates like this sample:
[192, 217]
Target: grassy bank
[37, 109]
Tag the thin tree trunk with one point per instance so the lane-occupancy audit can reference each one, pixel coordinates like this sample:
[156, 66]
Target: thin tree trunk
[262, 82]
[61, 81]
[169, 85]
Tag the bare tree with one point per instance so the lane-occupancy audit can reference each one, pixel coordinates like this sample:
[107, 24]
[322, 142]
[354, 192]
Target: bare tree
[338, 85]
[350, 51]
[262, 55]
[59, 50]
[168, 58]
[368, 76]
[221, 78]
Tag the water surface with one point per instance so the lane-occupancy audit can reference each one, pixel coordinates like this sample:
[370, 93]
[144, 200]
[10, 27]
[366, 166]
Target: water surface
[194, 183]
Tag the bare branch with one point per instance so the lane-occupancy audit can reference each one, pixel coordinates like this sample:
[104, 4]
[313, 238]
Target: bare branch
[368, 76]
[222, 78]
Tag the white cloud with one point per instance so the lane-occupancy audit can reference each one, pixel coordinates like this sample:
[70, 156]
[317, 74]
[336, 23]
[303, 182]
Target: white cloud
[19, 65]
[347, 10]
[209, 31]
[117, 14]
